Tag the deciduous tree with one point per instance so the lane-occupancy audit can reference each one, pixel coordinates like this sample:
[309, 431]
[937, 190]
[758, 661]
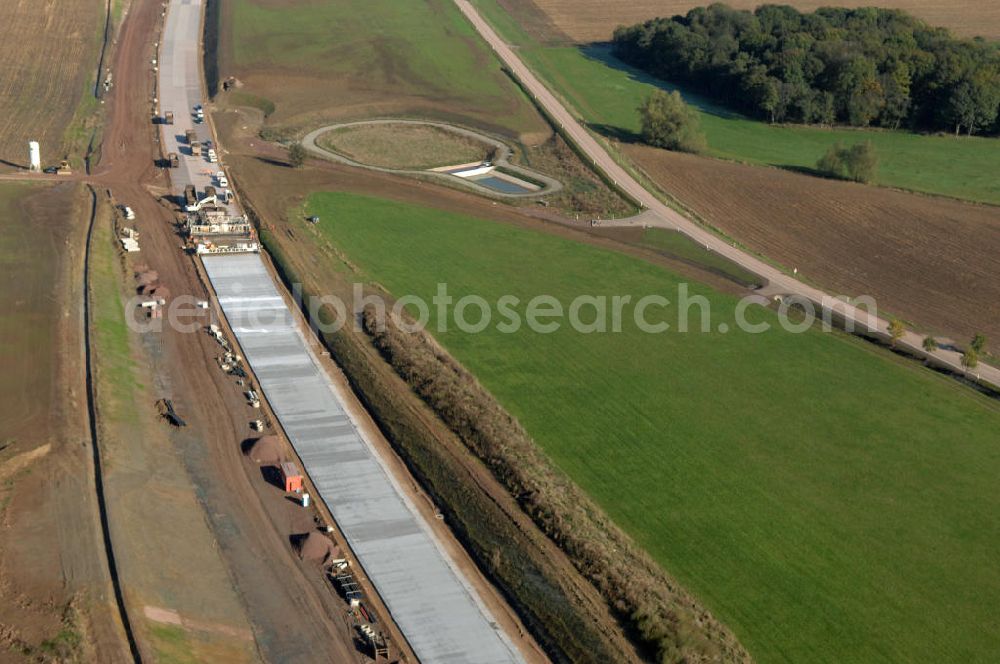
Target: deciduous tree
[296, 155]
[859, 66]
[896, 330]
[668, 122]
[970, 359]
[858, 162]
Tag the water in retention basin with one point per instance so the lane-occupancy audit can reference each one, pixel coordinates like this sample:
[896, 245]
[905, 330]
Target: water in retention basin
[502, 185]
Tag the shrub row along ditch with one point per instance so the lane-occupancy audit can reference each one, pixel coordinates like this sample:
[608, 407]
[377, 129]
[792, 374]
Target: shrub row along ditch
[665, 619]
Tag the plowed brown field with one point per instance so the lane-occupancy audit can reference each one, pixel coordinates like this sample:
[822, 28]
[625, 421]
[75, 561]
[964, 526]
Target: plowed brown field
[932, 261]
[594, 20]
[54, 587]
[49, 52]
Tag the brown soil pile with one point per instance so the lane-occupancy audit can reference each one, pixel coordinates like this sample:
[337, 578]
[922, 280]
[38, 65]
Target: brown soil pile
[315, 548]
[146, 278]
[266, 451]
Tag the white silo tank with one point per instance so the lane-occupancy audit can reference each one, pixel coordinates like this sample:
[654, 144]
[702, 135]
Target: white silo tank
[35, 153]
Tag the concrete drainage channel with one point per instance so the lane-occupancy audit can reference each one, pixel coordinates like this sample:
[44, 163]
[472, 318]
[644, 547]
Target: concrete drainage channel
[496, 178]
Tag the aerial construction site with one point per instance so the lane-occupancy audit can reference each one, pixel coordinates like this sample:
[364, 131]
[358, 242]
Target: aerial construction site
[472, 332]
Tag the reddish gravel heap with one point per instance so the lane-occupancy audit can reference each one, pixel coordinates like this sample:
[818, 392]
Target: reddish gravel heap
[266, 451]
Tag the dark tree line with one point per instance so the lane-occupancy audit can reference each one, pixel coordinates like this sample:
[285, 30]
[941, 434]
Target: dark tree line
[855, 66]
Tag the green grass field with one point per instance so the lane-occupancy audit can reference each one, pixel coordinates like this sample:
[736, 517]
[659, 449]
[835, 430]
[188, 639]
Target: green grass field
[374, 54]
[115, 368]
[404, 145]
[827, 500]
[607, 92]
[681, 246]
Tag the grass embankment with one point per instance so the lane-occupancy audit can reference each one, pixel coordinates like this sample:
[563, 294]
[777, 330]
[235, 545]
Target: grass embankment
[828, 501]
[678, 245]
[663, 617]
[115, 376]
[326, 58]
[607, 93]
[404, 146]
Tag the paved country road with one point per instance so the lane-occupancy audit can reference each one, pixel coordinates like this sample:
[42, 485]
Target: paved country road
[670, 218]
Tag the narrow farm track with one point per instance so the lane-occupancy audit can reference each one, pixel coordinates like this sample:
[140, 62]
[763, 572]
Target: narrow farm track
[666, 217]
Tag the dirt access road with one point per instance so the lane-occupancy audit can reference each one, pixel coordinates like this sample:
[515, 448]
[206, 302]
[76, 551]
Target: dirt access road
[292, 613]
[666, 217]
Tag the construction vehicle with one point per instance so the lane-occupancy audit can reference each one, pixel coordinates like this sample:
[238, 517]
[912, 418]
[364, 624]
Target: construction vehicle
[168, 118]
[210, 198]
[190, 198]
[166, 408]
[192, 140]
[173, 160]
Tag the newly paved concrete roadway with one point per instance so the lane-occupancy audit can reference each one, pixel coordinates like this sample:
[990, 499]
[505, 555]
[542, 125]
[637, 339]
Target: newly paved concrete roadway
[179, 89]
[440, 615]
[670, 218]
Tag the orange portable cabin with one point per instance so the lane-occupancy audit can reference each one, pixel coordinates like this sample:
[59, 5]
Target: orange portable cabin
[291, 476]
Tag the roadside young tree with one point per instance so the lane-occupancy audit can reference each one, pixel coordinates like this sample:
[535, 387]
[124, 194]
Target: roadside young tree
[978, 343]
[970, 360]
[896, 331]
[668, 122]
[296, 155]
[930, 344]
